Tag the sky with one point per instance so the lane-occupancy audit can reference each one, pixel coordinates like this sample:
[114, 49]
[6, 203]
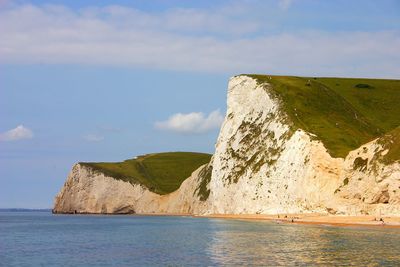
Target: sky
[108, 80]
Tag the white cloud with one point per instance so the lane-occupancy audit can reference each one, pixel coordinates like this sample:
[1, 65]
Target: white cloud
[285, 4]
[217, 40]
[18, 133]
[191, 123]
[93, 138]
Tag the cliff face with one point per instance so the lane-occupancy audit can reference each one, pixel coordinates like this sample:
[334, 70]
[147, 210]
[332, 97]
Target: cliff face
[370, 184]
[89, 191]
[262, 164]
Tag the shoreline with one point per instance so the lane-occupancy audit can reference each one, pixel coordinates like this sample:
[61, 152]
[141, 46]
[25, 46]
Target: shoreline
[315, 219]
[301, 219]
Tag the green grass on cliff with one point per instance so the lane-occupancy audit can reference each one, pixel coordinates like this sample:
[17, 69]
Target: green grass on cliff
[391, 142]
[161, 173]
[343, 113]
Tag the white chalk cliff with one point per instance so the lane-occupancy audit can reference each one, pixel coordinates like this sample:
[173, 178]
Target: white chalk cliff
[90, 191]
[260, 165]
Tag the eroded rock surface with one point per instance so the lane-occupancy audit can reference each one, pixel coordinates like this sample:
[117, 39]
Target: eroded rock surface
[89, 191]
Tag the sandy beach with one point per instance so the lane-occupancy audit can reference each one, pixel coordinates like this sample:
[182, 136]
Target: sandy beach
[308, 218]
[317, 219]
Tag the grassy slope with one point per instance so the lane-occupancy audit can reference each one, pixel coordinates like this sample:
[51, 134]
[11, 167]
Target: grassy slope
[162, 173]
[391, 141]
[342, 115]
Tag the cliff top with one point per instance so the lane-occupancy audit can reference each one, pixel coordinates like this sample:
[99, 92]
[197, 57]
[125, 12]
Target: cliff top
[161, 173]
[343, 113]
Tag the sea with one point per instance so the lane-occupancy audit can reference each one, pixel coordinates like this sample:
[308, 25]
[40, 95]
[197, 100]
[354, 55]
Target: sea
[44, 239]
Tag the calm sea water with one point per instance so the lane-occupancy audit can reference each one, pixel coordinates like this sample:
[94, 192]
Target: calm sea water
[43, 239]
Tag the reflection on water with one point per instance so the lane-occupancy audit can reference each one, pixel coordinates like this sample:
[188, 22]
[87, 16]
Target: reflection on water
[42, 239]
[268, 244]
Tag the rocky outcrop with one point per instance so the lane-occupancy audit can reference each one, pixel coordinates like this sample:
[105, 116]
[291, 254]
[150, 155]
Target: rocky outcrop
[369, 185]
[262, 164]
[90, 191]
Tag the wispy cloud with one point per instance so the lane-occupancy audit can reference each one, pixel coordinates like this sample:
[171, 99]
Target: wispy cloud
[220, 40]
[285, 4]
[93, 138]
[18, 133]
[191, 123]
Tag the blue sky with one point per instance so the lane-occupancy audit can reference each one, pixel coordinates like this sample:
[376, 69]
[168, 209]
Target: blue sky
[101, 81]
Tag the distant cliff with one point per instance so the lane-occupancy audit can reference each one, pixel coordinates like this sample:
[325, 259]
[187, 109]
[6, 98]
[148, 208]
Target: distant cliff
[287, 145]
[146, 184]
